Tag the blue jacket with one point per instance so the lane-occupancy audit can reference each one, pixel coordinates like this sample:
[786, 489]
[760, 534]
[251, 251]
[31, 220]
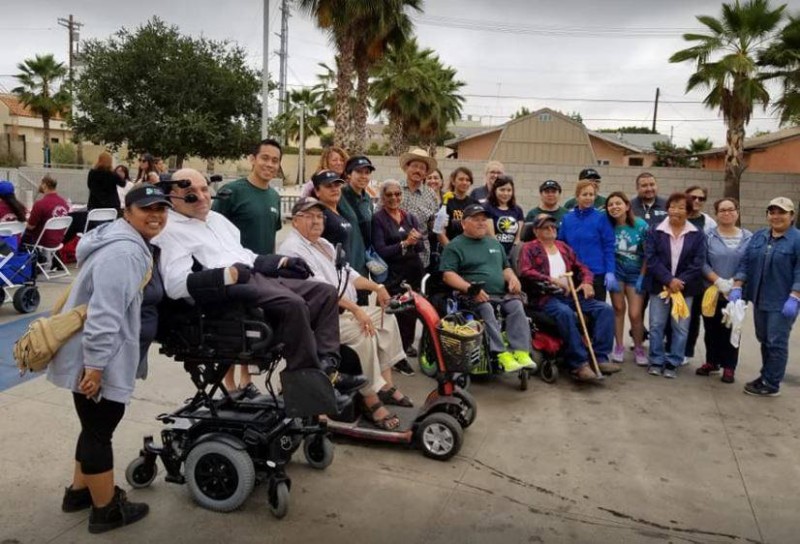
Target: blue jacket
[590, 234]
[721, 259]
[770, 269]
[658, 256]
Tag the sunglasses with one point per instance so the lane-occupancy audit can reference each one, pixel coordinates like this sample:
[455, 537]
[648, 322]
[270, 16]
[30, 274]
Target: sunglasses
[698, 198]
[391, 194]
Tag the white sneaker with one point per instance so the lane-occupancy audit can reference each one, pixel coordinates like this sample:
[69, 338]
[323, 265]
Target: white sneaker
[686, 361]
[618, 354]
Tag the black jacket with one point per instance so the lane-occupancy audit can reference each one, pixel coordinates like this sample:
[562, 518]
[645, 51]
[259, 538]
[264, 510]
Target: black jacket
[103, 189]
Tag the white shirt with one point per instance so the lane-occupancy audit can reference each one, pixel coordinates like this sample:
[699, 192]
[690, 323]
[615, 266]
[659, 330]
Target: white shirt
[558, 268]
[213, 242]
[320, 258]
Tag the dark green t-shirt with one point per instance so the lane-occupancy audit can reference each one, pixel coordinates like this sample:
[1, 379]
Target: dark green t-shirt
[556, 214]
[362, 206]
[255, 212]
[476, 260]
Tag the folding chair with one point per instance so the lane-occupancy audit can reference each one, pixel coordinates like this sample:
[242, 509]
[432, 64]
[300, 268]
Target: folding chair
[57, 224]
[99, 215]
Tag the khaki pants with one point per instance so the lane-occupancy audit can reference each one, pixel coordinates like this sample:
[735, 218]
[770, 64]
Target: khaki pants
[376, 353]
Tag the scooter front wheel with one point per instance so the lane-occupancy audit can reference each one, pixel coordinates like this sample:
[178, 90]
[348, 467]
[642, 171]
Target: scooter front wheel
[440, 436]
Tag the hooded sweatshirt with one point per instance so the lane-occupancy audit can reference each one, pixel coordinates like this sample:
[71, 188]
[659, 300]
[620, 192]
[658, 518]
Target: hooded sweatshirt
[113, 260]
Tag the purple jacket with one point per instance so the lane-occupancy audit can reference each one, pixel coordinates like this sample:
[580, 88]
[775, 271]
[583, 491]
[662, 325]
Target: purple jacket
[657, 254]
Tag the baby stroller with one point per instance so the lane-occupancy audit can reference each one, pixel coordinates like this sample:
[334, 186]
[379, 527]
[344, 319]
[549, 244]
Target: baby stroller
[217, 443]
[17, 270]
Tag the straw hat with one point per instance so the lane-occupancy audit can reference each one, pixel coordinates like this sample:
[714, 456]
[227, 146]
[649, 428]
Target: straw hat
[417, 155]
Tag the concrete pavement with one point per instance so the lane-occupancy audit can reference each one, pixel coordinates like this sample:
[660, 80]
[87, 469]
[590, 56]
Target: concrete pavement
[636, 459]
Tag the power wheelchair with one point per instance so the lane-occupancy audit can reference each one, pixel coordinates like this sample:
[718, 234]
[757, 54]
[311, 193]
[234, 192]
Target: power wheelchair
[219, 443]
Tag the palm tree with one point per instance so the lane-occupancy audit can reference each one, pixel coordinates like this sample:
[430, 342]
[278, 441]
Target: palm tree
[726, 60]
[445, 107]
[315, 116]
[783, 56]
[39, 92]
[388, 24]
[700, 144]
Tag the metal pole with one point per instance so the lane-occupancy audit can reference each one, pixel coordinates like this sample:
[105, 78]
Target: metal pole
[655, 110]
[301, 163]
[265, 75]
[284, 56]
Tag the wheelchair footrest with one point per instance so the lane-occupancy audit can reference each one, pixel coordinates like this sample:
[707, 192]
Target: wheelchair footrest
[307, 392]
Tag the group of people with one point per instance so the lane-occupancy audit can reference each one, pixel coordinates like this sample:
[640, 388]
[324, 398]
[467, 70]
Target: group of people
[176, 240]
[49, 205]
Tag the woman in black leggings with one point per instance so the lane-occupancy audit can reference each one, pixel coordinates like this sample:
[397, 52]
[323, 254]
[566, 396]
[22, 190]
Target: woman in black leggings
[100, 364]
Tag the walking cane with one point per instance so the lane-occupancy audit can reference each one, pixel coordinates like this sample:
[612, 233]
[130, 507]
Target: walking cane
[572, 290]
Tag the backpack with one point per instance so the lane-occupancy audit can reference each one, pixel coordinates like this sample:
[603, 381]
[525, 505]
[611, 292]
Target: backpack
[37, 346]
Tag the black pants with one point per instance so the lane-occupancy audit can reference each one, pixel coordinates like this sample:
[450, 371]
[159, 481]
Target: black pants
[98, 422]
[305, 315]
[719, 350]
[408, 270]
[599, 285]
[694, 324]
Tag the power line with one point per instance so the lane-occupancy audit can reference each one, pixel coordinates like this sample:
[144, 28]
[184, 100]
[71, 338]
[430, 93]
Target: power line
[553, 98]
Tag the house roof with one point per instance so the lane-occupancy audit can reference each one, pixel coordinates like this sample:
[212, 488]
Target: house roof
[760, 142]
[17, 108]
[472, 132]
[638, 143]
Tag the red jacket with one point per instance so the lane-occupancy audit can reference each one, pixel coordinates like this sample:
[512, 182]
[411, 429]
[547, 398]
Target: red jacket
[534, 265]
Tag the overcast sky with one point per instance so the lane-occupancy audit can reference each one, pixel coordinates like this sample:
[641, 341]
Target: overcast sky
[569, 55]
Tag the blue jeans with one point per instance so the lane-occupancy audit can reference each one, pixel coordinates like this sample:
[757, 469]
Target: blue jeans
[772, 331]
[562, 310]
[660, 315]
[518, 331]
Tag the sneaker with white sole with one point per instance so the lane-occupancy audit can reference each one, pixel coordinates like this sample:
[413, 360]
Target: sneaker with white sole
[640, 357]
[670, 372]
[507, 362]
[524, 358]
[618, 354]
[654, 370]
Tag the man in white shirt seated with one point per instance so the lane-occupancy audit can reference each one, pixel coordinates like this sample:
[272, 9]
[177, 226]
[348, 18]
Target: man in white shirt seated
[373, 335]
[303, 313]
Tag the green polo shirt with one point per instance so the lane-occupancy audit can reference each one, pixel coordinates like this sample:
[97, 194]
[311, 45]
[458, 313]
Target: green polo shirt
[477, 260]
[256, 213]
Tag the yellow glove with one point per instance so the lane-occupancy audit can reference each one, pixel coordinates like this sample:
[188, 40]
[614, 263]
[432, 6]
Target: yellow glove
[447, 196]
[710, 298]
[679, 308]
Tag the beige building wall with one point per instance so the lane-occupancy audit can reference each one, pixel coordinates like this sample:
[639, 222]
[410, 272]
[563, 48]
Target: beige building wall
[479, 147]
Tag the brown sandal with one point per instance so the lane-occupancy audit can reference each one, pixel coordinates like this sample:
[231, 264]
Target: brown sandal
[387, 397]
[388, 423]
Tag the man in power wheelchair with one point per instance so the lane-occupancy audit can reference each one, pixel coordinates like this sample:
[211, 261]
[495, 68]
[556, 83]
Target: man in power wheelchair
[474, 258]
[199, 239]
[367, 330]
[544, 262]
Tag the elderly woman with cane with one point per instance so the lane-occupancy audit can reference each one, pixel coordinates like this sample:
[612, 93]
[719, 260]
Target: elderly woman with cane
[546, 260]
[770, 274]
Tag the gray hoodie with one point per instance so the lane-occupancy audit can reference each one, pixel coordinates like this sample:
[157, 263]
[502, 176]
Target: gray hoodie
[113, 260]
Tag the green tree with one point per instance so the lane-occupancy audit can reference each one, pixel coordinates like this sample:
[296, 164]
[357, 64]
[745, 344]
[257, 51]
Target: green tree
[783, 58]
[726, 62]
[315, 116]
[417, 93]
[522, 112]
[168, 94]
[700, 144]
[64, 154]
[669, 155]
[629, 130]
[41, 91]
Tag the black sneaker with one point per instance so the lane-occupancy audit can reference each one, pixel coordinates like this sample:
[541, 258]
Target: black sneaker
[117, 513]
[761, 389]
[76, 500]
[250, 391]
[404, 368]
[411, 352]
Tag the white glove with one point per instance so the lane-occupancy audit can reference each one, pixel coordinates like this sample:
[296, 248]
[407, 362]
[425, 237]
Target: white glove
[724, 285]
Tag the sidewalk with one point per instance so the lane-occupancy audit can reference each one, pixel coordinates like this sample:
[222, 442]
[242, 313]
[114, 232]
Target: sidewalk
[636, 459]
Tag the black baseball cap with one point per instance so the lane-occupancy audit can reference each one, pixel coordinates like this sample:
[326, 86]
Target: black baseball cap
[550, 184]
[544, 219]
[144, 195]
[305, 204]
[356, 162]
[473, 209]
[589, 173]
[326, 177]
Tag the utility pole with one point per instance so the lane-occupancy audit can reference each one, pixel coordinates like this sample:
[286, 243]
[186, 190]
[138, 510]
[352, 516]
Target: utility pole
[73, 27]
[301, 164]
[655, 109]
[265, 74]
[284, 56]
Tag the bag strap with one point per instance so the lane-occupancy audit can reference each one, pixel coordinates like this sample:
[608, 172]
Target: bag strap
[59, 305]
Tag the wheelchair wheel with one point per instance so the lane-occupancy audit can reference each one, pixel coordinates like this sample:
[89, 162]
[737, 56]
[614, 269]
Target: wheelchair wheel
[469, 408]
[141, 473]
[318, 450]
[549, 371]
[26, 299]
[440, 436]
[279, 500]
[523, 379]
[219, 476]
[427, 355]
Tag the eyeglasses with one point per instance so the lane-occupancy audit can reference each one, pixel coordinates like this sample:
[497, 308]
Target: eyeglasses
[312, 216]
[727, 210]
[389, 195]
[697, 198]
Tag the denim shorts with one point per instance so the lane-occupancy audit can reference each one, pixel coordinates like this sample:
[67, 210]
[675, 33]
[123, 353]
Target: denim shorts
[628, 276]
